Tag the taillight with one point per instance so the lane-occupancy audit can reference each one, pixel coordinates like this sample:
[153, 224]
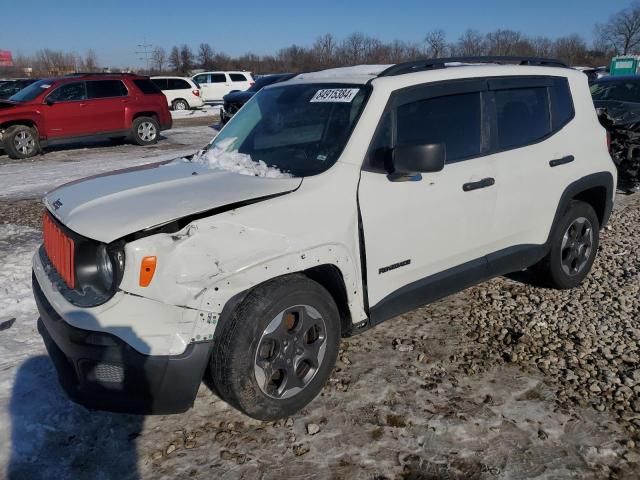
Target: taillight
[196, 93]
[251, 84]
[608, 141]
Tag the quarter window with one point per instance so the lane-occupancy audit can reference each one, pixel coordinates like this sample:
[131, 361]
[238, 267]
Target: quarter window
[523, 116]
[561, 103]
[69, 92]
[453, 120]
[178, 84]
[106, 89]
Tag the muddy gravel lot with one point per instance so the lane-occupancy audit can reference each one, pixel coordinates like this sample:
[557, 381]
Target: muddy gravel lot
[504, 380]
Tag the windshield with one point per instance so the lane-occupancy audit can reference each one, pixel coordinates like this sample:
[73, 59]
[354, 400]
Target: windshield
[618, 90]
[297, 130]
[32, 91]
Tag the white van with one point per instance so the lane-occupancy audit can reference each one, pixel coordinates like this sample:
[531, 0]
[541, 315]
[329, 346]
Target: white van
[216, 85]
[182, 93]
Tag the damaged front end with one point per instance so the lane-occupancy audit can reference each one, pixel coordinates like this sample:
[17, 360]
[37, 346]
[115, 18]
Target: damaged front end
[622, 121]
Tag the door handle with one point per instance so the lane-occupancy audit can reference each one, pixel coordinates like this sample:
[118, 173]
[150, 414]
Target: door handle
[561, 161]
[484, 183]
[83, 104]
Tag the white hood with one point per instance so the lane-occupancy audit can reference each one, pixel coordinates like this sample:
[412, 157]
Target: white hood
[110, 206]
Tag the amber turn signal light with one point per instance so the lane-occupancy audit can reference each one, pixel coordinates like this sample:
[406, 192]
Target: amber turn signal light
[147, 269]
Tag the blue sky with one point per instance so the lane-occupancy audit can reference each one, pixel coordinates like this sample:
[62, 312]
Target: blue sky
[114, 28]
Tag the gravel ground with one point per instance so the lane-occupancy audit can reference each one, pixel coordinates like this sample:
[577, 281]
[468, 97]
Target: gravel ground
[503, 380]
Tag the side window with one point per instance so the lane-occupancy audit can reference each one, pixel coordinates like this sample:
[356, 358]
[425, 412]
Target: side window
[106, 89]
[69, 92]
[523, 116]
[161, 83]
[178, 84]
[218, 78]
[238, 77]
[146, 86]
[453, 120]
[202, 78]
[561, 103]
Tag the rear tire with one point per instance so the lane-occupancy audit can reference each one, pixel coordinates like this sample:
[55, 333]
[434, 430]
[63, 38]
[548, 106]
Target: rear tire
[573, 247]
[180, 104]
[145, 131]
[20, 142]
[274, 354]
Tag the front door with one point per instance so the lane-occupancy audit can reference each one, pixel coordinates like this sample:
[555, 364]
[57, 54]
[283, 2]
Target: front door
[428, 236]
[216, 87]
[66, 111]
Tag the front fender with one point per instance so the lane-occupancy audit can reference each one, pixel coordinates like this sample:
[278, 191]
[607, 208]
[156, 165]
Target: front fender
[203, 267]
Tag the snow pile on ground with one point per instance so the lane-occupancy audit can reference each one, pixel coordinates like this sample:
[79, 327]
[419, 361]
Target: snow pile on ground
[221, 157]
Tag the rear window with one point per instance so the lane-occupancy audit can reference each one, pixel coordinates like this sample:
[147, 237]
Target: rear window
[523, 116]
[454, 120]
[178, 84]
[106, 89]
[238, 77]
[146, 86]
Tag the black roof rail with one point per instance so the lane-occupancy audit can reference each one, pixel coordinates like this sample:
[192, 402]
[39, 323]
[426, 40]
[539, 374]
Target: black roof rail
[106, 74]
[436, 63]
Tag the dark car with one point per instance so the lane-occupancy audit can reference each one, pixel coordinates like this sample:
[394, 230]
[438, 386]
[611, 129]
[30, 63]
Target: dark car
[9, 88]
[82, 106]
[235, 100]
[617, 101]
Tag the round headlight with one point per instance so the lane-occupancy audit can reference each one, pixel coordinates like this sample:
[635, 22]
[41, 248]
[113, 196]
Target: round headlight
[105, 267]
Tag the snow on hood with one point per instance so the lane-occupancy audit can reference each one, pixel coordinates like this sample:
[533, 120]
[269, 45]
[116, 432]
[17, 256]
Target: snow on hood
[221, 157]
[113, 205]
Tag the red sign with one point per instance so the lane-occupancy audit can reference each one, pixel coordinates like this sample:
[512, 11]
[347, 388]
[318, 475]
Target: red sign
[6, 60]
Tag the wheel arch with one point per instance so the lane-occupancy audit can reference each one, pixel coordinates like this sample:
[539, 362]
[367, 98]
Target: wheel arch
[151, 114]
[596, 189]
[26, 121]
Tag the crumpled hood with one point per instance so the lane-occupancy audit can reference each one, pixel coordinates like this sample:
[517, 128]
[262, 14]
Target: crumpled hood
[110, 206]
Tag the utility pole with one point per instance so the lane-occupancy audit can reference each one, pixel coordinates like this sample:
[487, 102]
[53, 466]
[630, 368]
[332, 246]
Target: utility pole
[144, 52]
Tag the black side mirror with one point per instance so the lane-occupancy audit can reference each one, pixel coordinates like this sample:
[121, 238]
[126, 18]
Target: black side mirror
[49, 101]
[411, 160]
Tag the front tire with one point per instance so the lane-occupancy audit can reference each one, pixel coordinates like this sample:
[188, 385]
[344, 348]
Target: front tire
[20, 142]
[274, 354]
[573, 247]
[145, 131]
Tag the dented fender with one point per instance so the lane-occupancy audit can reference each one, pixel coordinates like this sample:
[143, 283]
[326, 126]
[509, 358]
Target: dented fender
[205, 265]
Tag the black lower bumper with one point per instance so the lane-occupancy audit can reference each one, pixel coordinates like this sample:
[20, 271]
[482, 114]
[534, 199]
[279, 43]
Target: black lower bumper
[100, 371]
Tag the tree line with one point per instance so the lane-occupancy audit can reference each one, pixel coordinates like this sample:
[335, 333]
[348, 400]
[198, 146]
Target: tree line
[620, 35]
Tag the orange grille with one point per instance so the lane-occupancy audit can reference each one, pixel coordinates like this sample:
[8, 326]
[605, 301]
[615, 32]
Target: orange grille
[60, 250]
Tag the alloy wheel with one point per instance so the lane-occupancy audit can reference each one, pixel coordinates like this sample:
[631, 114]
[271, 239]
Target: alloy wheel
[24, 142]
[577, 245]
[290, 351]
[147, 131]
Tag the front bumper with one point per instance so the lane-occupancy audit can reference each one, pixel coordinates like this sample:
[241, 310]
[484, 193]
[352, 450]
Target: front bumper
[101, 371]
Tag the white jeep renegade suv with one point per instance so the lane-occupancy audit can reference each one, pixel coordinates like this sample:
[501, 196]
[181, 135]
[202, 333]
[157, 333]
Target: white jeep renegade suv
[328, 204]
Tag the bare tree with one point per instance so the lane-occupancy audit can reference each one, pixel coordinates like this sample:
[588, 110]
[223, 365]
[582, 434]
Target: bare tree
[572, 50]
[470, 44]
[205, 56]
[186, 59]
[90, 62]
[542, 46]
[324, 50]
[503, 42]
[158, 59]
[622, 31]
[436, 43]
[174, 59]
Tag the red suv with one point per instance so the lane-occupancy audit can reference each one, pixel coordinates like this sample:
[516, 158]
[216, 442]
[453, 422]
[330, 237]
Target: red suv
[113, 106]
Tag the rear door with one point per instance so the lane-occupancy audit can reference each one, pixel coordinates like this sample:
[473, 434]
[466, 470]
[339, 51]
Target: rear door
[429, 236]
[67, 112]
[107, 102]
[534, 156]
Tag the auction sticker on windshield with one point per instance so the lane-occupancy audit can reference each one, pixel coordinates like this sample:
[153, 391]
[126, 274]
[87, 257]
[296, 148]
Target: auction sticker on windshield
[335, 95]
